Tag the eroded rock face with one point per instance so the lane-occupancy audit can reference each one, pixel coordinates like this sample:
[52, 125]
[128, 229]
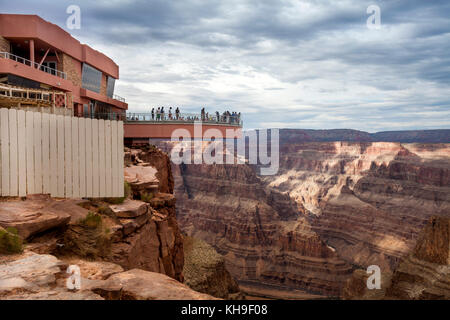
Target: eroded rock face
[150, 241]
[262, 234]
[425, 274]
[204, 270]
[367, 200]
[356, 203]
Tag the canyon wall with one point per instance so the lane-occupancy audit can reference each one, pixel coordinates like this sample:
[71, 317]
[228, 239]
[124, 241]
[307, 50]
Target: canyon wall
[331, 208]
[367, 200]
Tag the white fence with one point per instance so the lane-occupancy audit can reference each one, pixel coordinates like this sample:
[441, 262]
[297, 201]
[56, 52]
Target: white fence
[64, 156]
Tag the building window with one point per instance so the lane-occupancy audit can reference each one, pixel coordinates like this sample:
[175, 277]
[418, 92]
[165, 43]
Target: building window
[91, 78]
[110, 86]
[49, 67]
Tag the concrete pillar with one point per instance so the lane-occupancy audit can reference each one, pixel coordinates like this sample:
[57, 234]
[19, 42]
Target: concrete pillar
[32, 51]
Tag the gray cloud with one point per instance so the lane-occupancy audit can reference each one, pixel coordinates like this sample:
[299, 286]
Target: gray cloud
[308, 64]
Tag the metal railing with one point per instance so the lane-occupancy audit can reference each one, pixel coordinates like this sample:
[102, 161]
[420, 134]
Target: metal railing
[103, 116]
[182, 118]
[7, 55]
[115, 96]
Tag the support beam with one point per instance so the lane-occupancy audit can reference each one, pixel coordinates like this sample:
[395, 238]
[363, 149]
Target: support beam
[45, 56]
[32, 51]
[56, 54]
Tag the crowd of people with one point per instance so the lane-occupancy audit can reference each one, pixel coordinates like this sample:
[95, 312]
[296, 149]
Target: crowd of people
[159, 114]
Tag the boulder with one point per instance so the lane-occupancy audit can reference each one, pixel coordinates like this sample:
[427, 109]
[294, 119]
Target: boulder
[39, 214]
[142, 179]
[30, 274]
[129, 209]
[138, 284]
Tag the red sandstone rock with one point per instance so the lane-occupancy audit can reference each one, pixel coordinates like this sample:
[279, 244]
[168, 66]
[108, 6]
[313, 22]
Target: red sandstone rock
[367, 201]
[129, 209]
[143, 285]
[32, 217]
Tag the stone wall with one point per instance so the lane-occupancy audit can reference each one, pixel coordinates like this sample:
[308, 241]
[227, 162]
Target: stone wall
[103, 85]
[72, 68]
[4, 45]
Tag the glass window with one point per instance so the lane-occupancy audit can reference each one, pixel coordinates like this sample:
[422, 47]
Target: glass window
[110, 86]
[92, 78]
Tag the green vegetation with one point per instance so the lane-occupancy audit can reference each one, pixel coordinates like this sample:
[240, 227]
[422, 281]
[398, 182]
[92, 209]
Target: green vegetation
[10, 242]
[92, 220]
[104, 210]
[146, 197]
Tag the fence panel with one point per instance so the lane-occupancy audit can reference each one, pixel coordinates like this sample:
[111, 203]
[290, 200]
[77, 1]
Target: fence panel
[4, 140]
[22, 151]
[13, 157]
[108, 159]
[60, 155]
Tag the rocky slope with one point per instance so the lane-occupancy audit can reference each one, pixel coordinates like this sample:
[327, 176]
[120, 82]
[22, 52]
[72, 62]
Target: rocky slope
[367, 200]
[204, 270]
[103, 236]
[422, 274]
[263, 235]
[425, 273]
[332, 207]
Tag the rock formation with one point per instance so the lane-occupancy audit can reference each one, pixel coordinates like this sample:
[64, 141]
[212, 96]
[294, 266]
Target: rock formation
[425, 274]
[136, 233]
[263, 235]
[332, 207]
[367, 200]
[204, 270]
[43, 277]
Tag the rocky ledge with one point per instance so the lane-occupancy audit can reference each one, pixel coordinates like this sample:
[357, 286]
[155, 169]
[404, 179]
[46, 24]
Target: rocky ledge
[43, 277]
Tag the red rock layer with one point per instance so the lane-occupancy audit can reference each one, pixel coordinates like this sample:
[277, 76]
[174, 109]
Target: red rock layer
[262, 234]
[367, 200]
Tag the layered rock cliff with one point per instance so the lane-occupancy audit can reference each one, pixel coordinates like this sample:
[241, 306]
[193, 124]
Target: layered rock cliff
[421, 275]
[332, 207]
[263, 235]
[139, 231]
[425, 273]
[367, 200]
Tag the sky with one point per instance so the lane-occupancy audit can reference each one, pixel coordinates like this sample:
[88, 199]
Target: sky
[282, 64]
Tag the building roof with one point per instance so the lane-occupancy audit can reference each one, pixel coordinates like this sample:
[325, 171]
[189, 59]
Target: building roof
[23, 26]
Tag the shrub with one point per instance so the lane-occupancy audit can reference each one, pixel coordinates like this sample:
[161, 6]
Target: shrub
[146, 197]
[10, 242]
[104, 210]
[92, 220]
[126, 189]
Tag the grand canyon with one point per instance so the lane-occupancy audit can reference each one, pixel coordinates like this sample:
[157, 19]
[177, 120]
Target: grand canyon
[333, 208]
[208, 231]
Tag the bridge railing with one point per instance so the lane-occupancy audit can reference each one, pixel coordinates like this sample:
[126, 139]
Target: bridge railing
[182, 118]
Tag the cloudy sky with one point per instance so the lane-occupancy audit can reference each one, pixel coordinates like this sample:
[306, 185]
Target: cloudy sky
[285, 64]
